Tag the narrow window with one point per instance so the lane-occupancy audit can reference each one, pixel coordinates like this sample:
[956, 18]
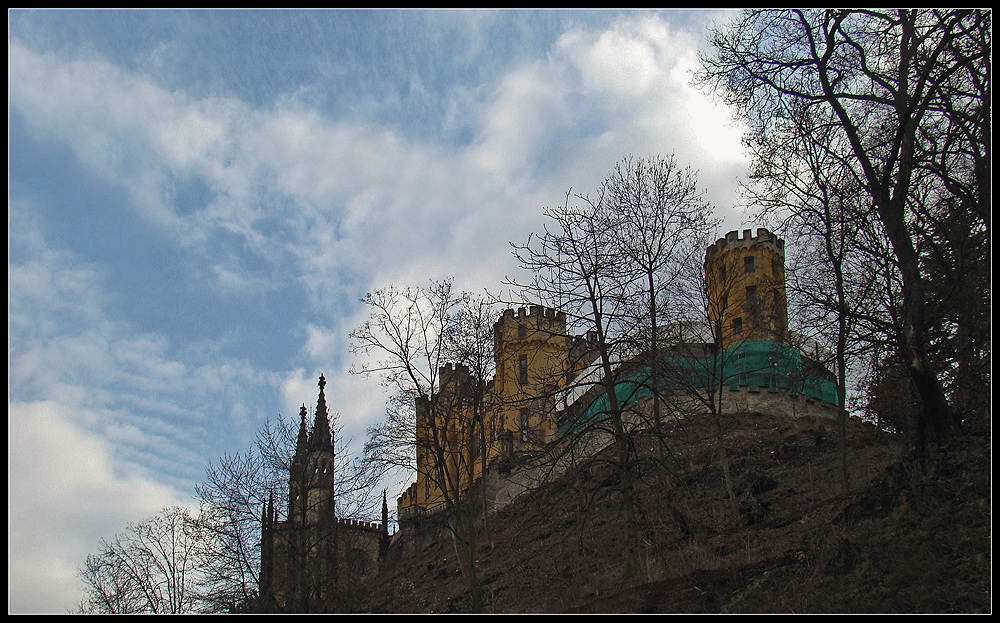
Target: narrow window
[753, 306]
[522, 332]
[738, 326]
[748, 264]
[522, 369]
[524, 425]
[775, 268]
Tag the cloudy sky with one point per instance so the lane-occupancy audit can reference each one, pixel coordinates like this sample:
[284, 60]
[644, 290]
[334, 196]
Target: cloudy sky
[198, 200]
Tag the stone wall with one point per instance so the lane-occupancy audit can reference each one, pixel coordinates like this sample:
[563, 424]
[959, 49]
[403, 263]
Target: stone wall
[504, 486]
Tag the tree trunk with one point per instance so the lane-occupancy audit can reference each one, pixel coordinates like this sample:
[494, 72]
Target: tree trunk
[463, 537]
[935, 419]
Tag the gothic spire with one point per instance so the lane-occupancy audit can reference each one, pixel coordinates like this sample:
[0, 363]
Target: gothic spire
[321, 437]
[303, 440]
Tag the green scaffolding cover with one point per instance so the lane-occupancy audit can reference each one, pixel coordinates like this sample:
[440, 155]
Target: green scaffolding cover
[758, 366]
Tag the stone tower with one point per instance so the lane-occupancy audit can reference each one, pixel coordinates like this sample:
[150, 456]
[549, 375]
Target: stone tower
[311, 483]
[310, 555]
[530, 349]
[745, 283]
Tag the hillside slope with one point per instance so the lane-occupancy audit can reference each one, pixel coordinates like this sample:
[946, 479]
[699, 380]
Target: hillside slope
[910, 537]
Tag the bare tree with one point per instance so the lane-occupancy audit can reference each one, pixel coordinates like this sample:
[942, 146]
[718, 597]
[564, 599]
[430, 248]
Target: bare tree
[815, 197]
[435, 416]
[708, 344]
[472, 346]
[660, 226]
[907, 97]
[153, 567]
[233, 496]
[578, 271]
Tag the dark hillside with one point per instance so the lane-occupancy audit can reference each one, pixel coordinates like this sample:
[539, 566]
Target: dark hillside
[911, 537]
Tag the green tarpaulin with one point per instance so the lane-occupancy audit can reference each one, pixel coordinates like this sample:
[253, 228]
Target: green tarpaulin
[760, 366]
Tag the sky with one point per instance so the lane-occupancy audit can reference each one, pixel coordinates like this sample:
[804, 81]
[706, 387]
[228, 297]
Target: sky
[198, 200]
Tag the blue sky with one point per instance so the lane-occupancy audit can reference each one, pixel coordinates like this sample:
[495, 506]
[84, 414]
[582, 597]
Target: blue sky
[199, 199]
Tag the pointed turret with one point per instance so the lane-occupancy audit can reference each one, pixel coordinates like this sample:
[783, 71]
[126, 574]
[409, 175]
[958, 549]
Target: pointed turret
[321, 437]
[383, 541]
[303, 440]
[385, 512]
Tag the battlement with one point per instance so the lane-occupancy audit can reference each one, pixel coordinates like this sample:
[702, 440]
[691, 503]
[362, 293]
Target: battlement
[733, 240]
[578, 341]
[534, 323]
[359, 523]
[449, 372]
[450, 368]
[533, 313]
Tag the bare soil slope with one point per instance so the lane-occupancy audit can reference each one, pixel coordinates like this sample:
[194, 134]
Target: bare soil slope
[912, 536]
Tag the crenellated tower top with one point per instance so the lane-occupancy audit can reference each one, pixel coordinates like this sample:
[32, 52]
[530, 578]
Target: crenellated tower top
[532, 324]
[733, 241]
[451, 374]
[535, 316]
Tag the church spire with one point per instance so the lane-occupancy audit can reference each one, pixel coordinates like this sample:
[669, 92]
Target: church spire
[321, 437]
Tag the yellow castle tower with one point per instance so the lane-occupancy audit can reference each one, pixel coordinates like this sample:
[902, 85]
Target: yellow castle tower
[532, 356]
[745, 283]
[530, 349]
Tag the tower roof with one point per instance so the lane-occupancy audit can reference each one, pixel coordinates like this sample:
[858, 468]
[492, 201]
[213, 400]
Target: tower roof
[321, 436]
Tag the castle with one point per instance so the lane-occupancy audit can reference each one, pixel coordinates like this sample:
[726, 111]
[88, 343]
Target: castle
[546, 383]
[546, 380]
[307, 556]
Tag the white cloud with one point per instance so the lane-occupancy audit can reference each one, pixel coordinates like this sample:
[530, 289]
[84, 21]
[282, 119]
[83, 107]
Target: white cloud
[323, 344]
[105, 425]
[360, 198]
[640, 71]
[65, 495]
[298, 388]
[529, 102]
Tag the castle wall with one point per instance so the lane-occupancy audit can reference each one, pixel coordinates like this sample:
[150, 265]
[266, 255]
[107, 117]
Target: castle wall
[530, 350]
[443, 431]
[312, 554]
[504, 487]
[531, 355]
[303, 577]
